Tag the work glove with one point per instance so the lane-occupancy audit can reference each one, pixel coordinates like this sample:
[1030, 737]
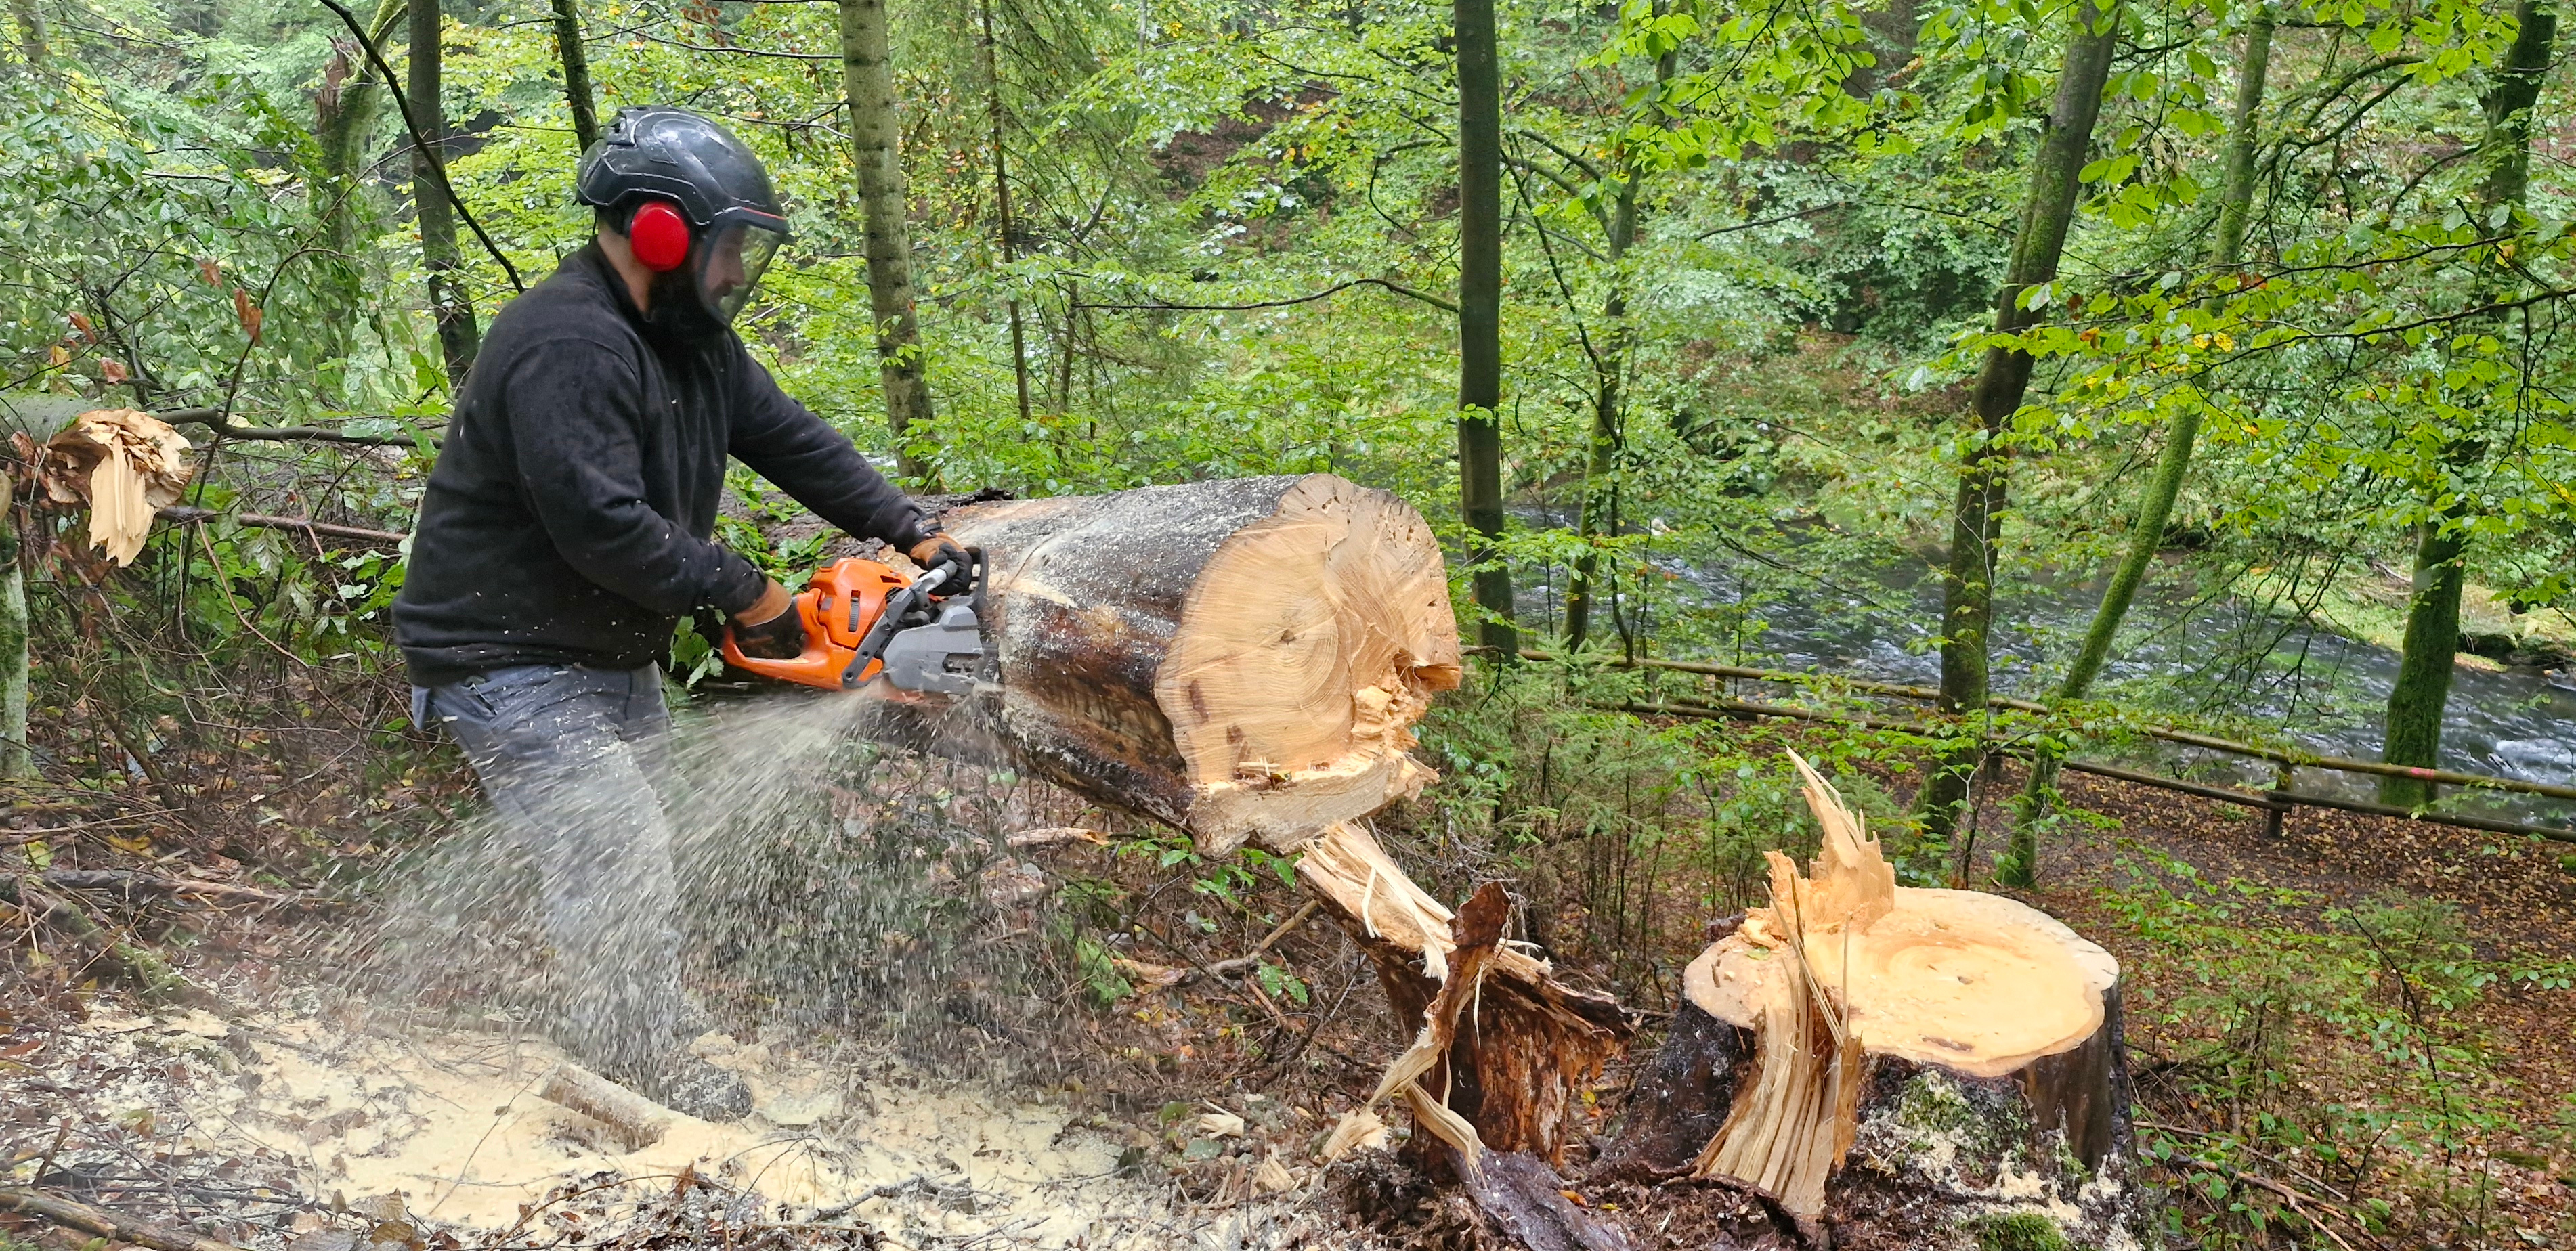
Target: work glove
[770, 629]
[942, 552]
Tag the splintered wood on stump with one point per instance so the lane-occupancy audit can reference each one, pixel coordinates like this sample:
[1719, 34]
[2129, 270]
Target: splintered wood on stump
[1241, 658]
[1517, 1075]
[1892, 1066]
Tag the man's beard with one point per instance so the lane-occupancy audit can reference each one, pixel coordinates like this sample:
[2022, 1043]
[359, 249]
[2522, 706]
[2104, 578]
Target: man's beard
[677, 312]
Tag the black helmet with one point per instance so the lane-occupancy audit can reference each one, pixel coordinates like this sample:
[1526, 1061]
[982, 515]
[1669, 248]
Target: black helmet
[709, 222]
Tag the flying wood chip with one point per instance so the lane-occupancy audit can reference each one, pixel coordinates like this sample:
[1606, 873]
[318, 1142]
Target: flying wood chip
[125, 465]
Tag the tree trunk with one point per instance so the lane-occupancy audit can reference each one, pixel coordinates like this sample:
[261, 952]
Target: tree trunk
[2019, 864]
[343, 120]
[1518, 1076]
[867, 67]
[450, 307]
[1599, 509]
[1608, 411]
[1893, 31]
[31, 33]
[1883, 1066]
[576, 72]
[1967, 584]
[1243, 659]
[2423, 686]
[1480, 305]
[1002, 207]
[1239, 658]
[15, 760]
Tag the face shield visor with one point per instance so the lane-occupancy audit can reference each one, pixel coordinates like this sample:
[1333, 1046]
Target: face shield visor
[734, 257]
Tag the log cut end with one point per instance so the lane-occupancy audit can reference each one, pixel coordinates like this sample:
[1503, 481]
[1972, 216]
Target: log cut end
[1311, 642]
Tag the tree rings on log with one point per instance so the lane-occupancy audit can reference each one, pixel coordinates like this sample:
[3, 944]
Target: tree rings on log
[1242, 658]
[1892, 1066]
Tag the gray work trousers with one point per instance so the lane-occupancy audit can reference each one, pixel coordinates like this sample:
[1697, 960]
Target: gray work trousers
[567, 754]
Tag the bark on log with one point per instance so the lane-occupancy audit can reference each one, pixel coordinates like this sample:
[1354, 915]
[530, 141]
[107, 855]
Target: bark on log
[1892, 1067]
[1240, 658]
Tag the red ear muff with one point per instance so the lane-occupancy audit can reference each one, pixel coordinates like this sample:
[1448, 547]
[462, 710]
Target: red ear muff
[659, 237]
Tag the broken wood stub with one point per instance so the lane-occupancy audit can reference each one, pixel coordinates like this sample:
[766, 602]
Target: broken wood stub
[1894, 1067]
[1516, 1066]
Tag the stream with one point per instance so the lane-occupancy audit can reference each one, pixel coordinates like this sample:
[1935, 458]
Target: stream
[2213, 654]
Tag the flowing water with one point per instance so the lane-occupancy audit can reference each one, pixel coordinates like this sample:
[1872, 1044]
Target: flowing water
[2218, 655]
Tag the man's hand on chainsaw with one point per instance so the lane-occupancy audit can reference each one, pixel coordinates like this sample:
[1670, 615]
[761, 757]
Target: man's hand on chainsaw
[770, 629]
[942, 552]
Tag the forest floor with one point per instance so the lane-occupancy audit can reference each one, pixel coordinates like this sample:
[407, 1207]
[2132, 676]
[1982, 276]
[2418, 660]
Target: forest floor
[1185, 1112]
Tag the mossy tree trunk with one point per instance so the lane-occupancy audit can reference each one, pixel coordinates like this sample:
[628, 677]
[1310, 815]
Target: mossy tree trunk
[576, 71]
[867, 68]
[1002, 226]
[2019, 864]
[1599, 513]
[15, 760]
[1480, 314]
[1967, 581]
[451, 308]
[31, 33]
[2423, 687]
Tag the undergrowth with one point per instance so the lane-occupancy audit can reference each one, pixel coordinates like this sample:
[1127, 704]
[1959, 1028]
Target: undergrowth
[2306, 1068]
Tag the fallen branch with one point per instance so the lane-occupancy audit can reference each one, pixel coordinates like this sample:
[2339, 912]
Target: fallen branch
[1730, 709]
[2277, 755]
[1336, 289]
[152, 977]
[130, 885]
[1054, 836]
[1239, 964]
[213, 419]
[181, 514]
[103, 1223]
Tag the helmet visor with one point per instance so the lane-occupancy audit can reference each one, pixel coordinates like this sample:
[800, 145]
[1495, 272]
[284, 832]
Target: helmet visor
[737, 255]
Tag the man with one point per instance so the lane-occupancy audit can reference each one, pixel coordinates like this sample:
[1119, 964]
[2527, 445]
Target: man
[565, 532]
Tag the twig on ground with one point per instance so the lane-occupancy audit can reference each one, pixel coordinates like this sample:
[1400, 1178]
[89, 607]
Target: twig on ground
[130, 884]
[1239, 964]
[103, 1223]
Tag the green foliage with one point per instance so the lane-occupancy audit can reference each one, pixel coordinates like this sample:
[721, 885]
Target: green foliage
[2349, 1054]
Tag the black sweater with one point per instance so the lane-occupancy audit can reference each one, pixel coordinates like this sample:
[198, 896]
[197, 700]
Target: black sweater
[568, 518]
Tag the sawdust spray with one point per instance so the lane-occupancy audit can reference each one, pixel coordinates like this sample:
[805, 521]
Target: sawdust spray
[820, 880]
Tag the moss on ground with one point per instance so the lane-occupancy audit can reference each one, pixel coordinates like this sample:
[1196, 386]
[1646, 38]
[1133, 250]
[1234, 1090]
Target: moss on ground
[2019, 1231]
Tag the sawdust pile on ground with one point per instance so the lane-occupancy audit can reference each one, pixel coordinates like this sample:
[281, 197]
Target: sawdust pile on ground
[451, 1124]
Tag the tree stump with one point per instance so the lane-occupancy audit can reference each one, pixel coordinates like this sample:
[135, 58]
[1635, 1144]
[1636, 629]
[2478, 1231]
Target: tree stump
[1882, 1066]
[1240, 658]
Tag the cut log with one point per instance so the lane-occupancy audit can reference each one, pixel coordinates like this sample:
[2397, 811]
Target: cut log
[633, 1120]
[1892, 1066]
[1244, 660]
[1241, 658]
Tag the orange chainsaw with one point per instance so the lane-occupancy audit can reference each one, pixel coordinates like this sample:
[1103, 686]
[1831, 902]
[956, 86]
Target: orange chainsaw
[864, 621]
